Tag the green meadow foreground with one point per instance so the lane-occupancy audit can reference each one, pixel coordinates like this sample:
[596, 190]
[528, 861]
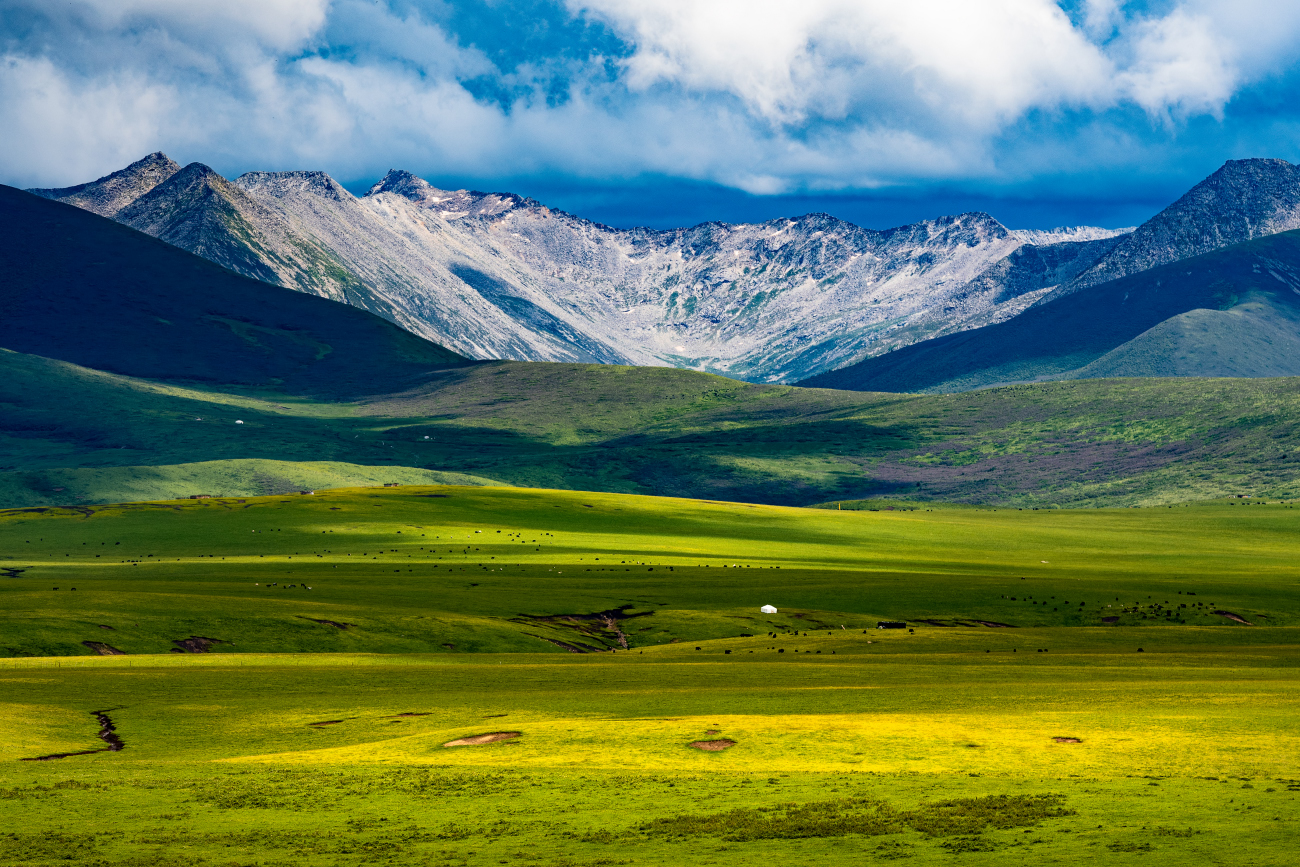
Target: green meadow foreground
[1075, 686]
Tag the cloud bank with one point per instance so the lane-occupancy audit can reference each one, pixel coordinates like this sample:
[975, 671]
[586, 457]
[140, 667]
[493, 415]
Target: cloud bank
[766, 96]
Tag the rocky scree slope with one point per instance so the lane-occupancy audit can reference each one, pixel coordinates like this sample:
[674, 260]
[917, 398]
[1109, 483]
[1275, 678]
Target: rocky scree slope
[494, 275]
[1243, 200]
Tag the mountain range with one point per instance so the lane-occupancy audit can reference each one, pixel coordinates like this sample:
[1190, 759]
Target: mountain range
[131, 369]
[495, 275]
[945, 304]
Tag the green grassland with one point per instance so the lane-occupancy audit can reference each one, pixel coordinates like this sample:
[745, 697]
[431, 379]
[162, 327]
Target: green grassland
[313, 733]
[652, 431]
[436, 569]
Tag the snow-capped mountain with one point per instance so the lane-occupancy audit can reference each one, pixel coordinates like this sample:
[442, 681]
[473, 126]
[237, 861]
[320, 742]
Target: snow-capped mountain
[494, 275]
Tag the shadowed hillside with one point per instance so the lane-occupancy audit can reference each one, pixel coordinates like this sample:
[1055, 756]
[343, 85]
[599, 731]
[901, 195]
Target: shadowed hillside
[85, 289]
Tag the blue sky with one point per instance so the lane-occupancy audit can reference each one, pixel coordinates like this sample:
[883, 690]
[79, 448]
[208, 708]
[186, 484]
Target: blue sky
[670, 112]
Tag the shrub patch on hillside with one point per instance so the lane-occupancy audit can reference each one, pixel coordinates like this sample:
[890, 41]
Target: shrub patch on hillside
[964, 816]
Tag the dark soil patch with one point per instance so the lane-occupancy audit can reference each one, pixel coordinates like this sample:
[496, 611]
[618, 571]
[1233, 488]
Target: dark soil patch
[601, 627]
[11, 571]
[334, 623]
[195, 644]
[965, 621]
[107, 733]
[713, 746]
[1061, 740]
[572, 647]
[1236, 617]
[480, 740]
[328, 722]
[104, 649]
[412, 713]
[1110, 620]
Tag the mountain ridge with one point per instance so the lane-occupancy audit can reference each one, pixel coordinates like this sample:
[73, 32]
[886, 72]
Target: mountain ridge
[92, 291]
[497, 275]
[1242, 200]
[113, 192]
[1083, 334]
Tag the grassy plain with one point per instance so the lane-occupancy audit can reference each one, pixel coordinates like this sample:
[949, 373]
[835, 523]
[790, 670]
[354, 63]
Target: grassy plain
[442, 569]
[851, 744]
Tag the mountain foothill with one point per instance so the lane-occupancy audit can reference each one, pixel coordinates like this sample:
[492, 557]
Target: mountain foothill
[521, 344]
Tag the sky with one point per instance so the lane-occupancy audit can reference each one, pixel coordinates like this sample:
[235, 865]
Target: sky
[670, 112]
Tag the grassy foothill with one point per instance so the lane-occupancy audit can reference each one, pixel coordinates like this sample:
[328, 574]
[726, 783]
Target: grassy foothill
[71, 435]
[616, 697]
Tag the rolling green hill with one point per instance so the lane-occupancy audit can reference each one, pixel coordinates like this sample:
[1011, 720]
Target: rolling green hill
[105, 438]
[1159, 322]
[82, 288]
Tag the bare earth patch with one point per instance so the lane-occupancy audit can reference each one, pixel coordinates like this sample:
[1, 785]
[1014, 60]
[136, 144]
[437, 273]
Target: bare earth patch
[479, 740]
[195, 644]
[1068, 740]
[712, 746]
[1236, 617]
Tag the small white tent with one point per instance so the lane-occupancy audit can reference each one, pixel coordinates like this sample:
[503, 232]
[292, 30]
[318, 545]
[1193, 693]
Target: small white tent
[768, 609]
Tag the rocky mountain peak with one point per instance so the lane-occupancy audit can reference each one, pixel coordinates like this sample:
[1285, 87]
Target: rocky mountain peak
[280, 184]
[113, 192]
[451, 204]
[407, 185]
[1242, 200]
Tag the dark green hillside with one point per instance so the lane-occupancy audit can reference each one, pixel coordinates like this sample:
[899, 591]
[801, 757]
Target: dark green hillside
[85, 289]
[1058, 340]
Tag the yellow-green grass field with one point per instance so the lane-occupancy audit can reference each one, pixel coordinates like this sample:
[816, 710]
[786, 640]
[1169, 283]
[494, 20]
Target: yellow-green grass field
[312, 731]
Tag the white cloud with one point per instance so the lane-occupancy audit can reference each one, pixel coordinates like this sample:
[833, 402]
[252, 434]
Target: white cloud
[768, 96]
[278, 24]
[1101, 17]
[983, 61]
[59, 126]
[1179, 66]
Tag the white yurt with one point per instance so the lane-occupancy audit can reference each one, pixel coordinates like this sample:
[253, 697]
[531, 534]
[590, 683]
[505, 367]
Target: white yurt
[768, 609]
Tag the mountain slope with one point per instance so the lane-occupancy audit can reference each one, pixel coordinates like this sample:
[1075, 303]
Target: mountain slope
[764, 302]
[417, 263]
[495, 275]
[111, 193]
[1243, 200]
[1257, 337]
[88, 290]
[1258, 281]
